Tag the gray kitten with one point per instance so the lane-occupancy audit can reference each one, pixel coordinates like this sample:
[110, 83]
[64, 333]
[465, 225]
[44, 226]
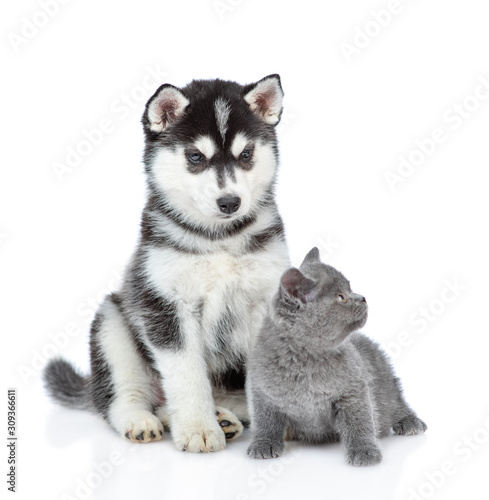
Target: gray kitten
[313, 377]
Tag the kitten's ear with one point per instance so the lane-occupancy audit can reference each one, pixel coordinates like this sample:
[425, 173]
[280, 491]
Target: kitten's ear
[312, 256]
[297, 286]
[165, 107]
[265, 98]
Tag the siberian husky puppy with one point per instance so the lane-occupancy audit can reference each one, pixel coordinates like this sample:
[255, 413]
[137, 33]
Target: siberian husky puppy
[170, 347]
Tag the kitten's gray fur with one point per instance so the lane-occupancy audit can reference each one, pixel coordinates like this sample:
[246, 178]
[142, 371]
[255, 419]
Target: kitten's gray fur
[313, 377]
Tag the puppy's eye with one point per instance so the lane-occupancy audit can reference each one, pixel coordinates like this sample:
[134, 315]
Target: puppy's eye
[246, 154]
[341, 298]
[195, 157]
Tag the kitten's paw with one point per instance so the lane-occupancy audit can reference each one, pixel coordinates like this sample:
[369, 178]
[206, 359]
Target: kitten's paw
[361, 457]
[229, 422]
[141, 427]
[409, 425]
[265, 449]
[200, 439]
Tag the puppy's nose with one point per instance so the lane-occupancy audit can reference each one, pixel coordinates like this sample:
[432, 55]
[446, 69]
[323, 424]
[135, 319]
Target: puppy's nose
[229, 204]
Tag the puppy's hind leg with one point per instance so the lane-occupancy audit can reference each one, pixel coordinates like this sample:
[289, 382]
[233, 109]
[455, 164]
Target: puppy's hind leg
[232, 412]
[121, 381]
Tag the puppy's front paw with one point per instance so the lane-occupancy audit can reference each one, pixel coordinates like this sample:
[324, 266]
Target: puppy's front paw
[141, 427]
[229, 422]
[200, 440]
[265, 449]
[360, 457]
[410, 425]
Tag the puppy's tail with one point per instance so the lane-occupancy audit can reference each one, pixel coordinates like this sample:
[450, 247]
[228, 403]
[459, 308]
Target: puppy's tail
[66, 386]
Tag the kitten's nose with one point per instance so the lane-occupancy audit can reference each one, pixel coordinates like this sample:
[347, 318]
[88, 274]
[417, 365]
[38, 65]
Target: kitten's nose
[359, 298]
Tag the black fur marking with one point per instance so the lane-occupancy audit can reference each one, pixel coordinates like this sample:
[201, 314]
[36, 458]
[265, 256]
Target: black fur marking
[233, 228]
[232, 379]
[224, 328]
[158, 203]
[152, 234]
[116, 299]
[260, 240]
[142, 302]
[161, 321]
[143, 351]
[101, 386]
[224, 169]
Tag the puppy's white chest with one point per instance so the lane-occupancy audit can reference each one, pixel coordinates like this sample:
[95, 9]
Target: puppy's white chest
[223, 296]
[193, 277]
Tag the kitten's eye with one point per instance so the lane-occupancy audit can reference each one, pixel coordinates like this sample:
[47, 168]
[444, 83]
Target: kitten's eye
[195, 157]
[246, 154]
[341, 298]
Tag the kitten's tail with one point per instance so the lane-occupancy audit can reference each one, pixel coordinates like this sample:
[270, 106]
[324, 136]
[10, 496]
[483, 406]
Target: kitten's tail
[66, 385]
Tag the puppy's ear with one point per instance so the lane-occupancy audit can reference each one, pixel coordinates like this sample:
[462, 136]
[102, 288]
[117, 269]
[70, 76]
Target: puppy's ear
[265, 98]
[297, 286]
[165, 107]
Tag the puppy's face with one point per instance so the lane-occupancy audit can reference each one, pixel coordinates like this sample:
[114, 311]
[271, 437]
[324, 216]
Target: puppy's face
[211, 147]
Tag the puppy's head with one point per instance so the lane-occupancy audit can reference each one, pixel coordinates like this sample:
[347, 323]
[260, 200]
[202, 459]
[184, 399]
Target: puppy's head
[211, 149]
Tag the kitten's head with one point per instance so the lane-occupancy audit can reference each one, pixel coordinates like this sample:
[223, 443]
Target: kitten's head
[319, 298]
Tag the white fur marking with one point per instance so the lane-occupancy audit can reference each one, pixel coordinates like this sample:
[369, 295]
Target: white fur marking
[222, 110]
[239, 143]
[206, 146]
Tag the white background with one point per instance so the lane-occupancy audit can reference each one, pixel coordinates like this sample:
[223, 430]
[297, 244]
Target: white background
[66, 238]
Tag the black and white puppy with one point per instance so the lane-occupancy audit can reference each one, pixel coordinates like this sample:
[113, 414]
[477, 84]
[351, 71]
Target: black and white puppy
[170, 347]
